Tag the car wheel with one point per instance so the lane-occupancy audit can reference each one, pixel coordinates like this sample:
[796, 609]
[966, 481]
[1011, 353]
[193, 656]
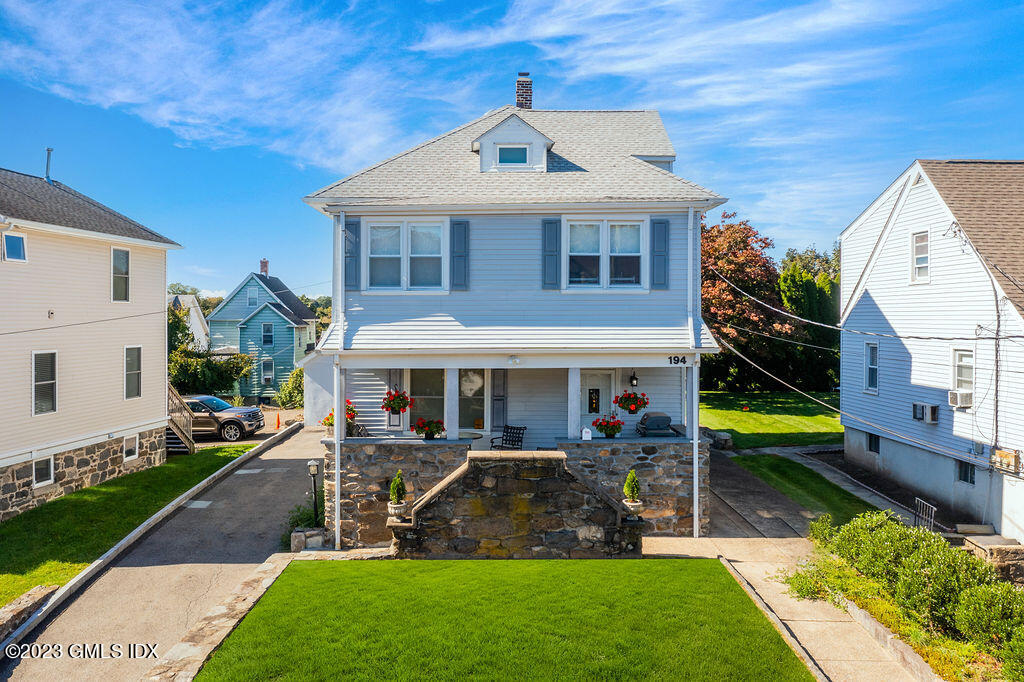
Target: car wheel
[231, 432]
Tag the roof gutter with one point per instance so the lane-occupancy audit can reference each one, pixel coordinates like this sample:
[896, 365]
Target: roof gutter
[328, 206]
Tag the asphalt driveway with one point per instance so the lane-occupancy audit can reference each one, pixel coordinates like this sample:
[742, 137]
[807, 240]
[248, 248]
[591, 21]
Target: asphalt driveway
[184, 567]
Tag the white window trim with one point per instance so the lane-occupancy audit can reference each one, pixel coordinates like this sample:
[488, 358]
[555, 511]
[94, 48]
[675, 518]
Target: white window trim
[604, 287]
[3, 246]
[407, 387]
[497, 155]
[952, 371]
[37, 483]
[125, 448]
[56, 382]
[249, 290]
[124, 372]
[263, 334]
[913, 265]
[404, 223]
[263, 374]
[112, 250]
[878, 373]
[956, 473]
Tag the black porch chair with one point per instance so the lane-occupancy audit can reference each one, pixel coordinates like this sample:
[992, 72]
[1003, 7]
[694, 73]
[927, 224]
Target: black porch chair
[511, 438]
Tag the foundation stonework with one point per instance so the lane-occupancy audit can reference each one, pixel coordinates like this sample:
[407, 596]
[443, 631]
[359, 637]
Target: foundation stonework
[518, 505]
[665, 469]
[76, 469]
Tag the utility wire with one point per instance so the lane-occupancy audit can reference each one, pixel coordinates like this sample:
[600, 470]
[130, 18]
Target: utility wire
[777, 338]
[931, 446]
[858, 331]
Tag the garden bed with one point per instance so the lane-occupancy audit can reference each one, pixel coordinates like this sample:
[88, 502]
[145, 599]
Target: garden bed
[607, 619]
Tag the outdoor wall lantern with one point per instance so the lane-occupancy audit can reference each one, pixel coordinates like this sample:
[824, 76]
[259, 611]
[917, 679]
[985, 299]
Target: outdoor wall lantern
[314, 469]
[633, 380]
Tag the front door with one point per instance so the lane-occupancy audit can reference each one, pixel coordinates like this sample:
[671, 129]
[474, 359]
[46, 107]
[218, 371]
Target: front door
[595, 394]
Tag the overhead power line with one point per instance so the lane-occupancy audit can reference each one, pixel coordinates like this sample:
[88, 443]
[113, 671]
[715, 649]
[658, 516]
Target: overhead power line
[777, 338]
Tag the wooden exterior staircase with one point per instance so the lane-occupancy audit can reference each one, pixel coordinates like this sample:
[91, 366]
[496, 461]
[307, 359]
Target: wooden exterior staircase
[179, 425]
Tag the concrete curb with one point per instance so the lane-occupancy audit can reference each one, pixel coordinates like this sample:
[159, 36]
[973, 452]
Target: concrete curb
[783, 629]
[902, 652]
[95, 567]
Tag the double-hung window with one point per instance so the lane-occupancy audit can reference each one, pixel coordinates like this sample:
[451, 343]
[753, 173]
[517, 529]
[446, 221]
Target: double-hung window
[605, 254]
[268, 333]
[44, 382]
[14, 247]
[267, 371]
[963, 370]
[919, 257]
[406, 255]
[252, 297]
[871, 367]
[120, 265]
[132, 372]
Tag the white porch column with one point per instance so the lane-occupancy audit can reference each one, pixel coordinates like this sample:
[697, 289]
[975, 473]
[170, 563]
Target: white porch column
[694, 432]
[339, 437]
[451, 402]
[338, 275]
[573, 396]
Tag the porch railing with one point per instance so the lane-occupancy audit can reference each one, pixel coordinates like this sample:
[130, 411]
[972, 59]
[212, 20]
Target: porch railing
[180, 418]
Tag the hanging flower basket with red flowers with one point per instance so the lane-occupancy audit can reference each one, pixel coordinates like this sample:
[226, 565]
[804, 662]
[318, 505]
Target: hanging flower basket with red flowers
[632, 402]
[396, 402]
[428, 428]
[609, 425]
[350, 411]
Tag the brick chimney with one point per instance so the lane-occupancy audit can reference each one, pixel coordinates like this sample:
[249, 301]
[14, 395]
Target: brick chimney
[524, 91]
[264, 266]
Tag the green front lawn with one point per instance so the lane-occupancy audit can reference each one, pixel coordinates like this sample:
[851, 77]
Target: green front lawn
[50, 544]
[804, 486]
[582, 619]
[776, 418]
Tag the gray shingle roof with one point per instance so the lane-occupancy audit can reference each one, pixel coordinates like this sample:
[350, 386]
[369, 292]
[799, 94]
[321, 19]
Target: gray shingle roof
[593, 159]
[987, 199]
[29, 197]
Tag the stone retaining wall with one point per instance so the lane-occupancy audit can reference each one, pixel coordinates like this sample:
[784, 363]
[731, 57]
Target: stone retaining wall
[77, 469]
[519, 505]
[367, 467]
[665, 470]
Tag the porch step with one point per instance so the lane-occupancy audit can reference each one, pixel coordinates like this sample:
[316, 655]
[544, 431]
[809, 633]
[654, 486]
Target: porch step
[175, 446]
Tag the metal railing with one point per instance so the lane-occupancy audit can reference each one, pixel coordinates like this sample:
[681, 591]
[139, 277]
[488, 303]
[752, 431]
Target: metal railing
[180, 418]
[924, 514]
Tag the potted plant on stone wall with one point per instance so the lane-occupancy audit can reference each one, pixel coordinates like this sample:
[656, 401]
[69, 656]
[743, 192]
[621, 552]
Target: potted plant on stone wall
[396, 401]
[350, 418]
[397, 504]
[428, 428]
[632, 492]
[328, 421]
[609, 425]
[632, 402]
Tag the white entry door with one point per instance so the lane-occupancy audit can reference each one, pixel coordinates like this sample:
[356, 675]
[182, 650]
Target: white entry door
[595, 394]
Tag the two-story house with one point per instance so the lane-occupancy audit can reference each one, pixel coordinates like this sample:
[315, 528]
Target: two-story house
[265, 320]
[521, 269]
[83, 342]
[932, 294]
[188, 305]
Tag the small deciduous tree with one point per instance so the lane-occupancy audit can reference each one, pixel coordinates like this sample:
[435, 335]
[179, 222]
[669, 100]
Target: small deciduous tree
[290, 394]
[193, 371]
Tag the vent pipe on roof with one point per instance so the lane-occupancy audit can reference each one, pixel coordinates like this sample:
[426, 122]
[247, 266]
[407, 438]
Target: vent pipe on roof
[524, 91]
[49, 153]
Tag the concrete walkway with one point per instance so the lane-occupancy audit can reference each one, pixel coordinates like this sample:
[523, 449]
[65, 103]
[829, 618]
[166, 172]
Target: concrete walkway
[843, 650]
[190, 563]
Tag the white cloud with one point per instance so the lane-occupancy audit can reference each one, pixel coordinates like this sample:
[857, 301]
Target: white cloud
[200, 270]
[213, 293]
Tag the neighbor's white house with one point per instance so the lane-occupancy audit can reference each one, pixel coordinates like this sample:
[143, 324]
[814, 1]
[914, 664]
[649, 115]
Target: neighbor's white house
[197, 325]
[83, 342]
[517, 270]
[935, 267]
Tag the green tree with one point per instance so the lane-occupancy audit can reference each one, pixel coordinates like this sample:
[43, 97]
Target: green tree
[813, 261]
[813, 298]
[290, 394]
[183, 289]
[192, 371]
[178, 333]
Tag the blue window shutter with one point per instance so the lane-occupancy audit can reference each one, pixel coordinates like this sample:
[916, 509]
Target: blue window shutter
[551, 249]
[659, 254]
[459, 247]
[352, 253]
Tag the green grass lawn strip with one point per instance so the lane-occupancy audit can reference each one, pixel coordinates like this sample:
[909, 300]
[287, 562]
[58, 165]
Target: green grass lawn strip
[773, 418]
[50, 544]
[804, 486]
[580, 619]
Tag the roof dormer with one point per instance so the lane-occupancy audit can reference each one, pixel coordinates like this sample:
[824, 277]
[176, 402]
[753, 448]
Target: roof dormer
[513, 145]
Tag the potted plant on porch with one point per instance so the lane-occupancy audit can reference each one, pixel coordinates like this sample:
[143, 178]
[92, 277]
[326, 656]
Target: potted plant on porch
[397, 503]
[632, 492]
[396, 401]
[350, 419]
[609, 425]
[428, 428]
[632, 402]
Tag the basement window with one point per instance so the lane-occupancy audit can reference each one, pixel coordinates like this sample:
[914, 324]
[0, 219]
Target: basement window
[965, 472]
[42, 471]
[131, 448]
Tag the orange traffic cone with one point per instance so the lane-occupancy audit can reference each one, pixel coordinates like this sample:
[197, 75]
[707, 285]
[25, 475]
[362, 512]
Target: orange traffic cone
[278, 427]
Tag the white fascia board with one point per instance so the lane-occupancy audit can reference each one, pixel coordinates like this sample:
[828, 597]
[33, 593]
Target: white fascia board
[863, 215]
[90, 234]
[267, 305]
[329, 206]
[513, 359]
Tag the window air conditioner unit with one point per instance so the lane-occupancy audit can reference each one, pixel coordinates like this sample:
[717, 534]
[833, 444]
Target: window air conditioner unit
[929, 414]
[961, 398]
[268, 380]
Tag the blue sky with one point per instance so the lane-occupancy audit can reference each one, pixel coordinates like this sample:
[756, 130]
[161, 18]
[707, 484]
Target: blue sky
[209, 122]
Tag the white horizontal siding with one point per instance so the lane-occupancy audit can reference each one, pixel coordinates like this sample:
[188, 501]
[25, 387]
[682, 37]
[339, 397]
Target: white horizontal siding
[858, 243]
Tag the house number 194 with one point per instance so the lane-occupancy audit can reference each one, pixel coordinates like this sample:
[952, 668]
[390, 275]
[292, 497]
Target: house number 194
[676, 360]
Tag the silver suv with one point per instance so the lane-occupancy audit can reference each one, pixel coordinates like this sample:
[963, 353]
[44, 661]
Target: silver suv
[213, 416]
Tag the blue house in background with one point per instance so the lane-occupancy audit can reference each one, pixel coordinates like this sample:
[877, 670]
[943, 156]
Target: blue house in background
[264, 319]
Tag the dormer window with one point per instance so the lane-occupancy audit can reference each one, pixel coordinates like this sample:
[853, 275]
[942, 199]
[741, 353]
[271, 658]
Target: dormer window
[513, 155]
